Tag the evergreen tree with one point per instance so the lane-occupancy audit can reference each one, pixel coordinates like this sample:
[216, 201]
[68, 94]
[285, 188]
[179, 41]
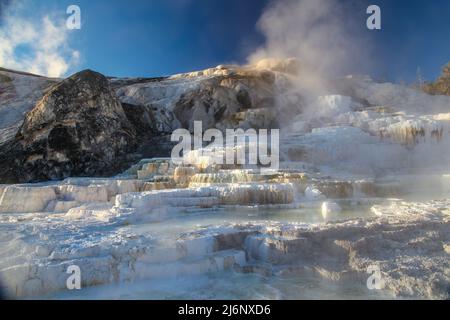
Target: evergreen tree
[442, 85]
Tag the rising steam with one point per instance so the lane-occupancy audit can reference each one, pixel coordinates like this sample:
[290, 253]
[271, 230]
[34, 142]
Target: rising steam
[322, 34]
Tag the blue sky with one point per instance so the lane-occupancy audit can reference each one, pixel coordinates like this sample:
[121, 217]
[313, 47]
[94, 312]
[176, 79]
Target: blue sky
[161, 37]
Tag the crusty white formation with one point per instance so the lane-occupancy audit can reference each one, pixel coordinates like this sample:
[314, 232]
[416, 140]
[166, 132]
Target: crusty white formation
[385, 143]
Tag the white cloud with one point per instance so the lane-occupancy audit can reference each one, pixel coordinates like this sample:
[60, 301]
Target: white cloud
[35, 45]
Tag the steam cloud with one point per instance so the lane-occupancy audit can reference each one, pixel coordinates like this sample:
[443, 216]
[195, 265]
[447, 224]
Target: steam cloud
[321, 34]
[40, 46]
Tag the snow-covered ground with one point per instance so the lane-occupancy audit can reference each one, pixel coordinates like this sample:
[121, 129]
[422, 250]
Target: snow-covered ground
[118, 233]
[364, 181]
[18, 92]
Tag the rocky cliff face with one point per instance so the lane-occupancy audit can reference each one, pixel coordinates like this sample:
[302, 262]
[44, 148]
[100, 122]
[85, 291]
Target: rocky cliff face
[89, 125]
[225, 101]
[78, 128]
[220, 97]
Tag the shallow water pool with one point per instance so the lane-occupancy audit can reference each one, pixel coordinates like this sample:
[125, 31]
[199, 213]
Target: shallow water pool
[233, 284]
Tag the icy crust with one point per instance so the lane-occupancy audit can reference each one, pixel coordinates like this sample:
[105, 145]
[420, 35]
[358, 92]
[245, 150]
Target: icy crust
[389, 95]
[165, 188]
[160, 203]
[408, 241]
[37, 249]
[390, 128]
[409, 123]
[18, 94]
[29, 198]
[132, 194]
[89, 222]
[157, 185]
[287, 66]
[359, 143]
[400, 128]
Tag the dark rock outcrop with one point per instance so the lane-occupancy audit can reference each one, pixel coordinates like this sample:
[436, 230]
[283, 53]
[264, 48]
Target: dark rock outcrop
[227, 101]
[90, 125]
[142, 119]
[78, 128]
